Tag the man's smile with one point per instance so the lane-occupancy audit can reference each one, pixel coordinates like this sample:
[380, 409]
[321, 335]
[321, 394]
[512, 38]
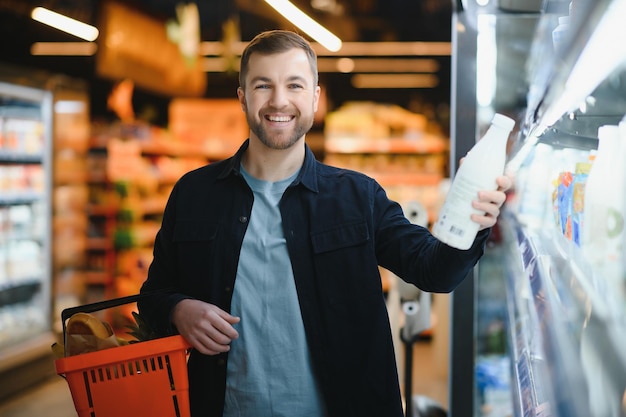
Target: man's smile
[281, 119]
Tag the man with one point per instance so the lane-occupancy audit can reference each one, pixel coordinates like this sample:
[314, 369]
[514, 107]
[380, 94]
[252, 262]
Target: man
[272, 258]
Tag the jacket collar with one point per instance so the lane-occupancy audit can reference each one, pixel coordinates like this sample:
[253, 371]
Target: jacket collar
[307, 176]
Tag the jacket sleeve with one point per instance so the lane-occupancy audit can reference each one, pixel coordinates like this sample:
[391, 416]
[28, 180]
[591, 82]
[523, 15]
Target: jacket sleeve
[156, 309]
[412, 253]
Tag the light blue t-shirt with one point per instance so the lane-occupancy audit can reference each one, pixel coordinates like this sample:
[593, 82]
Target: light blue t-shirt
[269, 370]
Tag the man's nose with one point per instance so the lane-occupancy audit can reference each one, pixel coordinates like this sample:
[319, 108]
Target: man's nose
[279, 97]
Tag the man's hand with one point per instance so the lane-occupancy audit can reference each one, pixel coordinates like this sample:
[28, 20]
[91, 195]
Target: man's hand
[208, 328]
[490, 202]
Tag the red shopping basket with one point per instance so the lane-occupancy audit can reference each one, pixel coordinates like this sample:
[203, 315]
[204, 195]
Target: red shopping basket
[140, 379]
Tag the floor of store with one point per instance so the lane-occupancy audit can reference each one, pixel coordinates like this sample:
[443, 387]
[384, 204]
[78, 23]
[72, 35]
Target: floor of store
[52, 398]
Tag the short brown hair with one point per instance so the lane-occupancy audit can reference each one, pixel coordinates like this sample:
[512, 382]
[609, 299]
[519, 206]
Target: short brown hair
[273, 42]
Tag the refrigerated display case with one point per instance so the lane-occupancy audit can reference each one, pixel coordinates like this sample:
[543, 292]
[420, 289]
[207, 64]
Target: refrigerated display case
[25, 274]
[564, 321]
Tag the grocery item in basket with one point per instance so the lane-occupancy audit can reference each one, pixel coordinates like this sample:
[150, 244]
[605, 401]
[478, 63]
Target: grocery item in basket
[140, 329]
[86, 333]
[58, 350]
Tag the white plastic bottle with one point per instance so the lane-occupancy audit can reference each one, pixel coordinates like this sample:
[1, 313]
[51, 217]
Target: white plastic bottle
[479, 170]
[560, 33]
[603, 227]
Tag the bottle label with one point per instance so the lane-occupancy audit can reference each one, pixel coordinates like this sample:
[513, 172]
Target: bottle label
[455, 219]
[457, 231]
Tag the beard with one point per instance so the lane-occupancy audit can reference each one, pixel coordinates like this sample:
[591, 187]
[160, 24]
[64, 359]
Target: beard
[283, 139]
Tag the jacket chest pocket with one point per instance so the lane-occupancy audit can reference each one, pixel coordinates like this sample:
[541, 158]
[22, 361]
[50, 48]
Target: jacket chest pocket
[345, 262]
[340, 237]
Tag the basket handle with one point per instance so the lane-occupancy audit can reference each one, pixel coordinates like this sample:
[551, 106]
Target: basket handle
[103, 305]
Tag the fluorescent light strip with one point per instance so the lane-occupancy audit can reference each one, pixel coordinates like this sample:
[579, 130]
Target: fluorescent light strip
[595, 63]
[309, 26]
[486, 65]
[364, 49]
[65, 24]
[375, 65]
[347, 65]
[63, 48]
[395, 81]
[389, 49]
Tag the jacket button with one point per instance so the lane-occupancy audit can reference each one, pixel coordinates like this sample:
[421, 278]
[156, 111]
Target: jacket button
[221, 362]
[243, 219]
[228, 289]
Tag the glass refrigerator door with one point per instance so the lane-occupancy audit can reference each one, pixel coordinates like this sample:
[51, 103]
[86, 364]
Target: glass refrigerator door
[490, 49]
[25, 280]
[564, 321]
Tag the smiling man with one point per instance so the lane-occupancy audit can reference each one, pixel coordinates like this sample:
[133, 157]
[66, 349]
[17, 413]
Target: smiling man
[272, 260]
[279, 101]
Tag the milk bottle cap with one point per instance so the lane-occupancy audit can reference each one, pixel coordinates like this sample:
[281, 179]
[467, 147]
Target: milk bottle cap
[503, 121]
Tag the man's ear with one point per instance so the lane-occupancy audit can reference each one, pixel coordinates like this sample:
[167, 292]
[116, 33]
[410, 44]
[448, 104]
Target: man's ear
[316, 97]
[242, 98]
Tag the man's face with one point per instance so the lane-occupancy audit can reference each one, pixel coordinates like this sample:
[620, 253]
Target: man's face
[280, 98]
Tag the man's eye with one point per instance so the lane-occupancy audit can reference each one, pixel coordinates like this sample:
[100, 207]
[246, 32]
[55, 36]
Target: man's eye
[262, 86]
[295, 86]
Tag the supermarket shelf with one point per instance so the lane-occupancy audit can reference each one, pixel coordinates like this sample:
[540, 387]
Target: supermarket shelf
[102, 210]
[175, 148]
[154, 205]
[210, 149]
[563, 320]
[423, 145]
[97, 278]
[23, 353]
[10, 198]
[19, 293]
[20, 157]
[99, 243]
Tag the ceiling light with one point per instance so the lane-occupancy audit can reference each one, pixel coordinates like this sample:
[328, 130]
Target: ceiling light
[594, 64]
[65, 24]
[309, 26]
[395, 81]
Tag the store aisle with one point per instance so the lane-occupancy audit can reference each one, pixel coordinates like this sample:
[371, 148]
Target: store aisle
[427, 378]
[52, 398]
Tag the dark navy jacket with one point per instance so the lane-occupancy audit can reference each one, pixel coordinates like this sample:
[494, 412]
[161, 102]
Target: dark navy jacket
[339, 226]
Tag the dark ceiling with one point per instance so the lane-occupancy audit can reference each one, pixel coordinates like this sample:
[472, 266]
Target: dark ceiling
[351, 20]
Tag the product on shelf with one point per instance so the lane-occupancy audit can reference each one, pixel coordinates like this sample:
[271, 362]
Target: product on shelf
[603, 228]
[373, 120]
